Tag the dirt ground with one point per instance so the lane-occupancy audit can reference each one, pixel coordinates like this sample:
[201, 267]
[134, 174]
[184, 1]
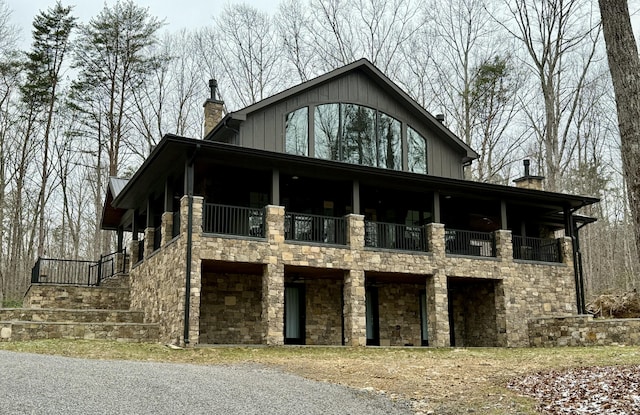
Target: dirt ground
[436, 381]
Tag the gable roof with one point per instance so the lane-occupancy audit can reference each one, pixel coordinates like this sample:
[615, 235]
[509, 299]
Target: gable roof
[111, 215]
[378, 77]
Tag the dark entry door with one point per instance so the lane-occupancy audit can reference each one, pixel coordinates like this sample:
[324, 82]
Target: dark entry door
[294, 314]
[373, 317]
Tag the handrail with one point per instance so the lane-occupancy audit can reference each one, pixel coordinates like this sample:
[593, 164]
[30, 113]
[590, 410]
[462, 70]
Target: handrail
[473, 243]
[315, 228]
[76, 271]
[536, 249]
[395, 236]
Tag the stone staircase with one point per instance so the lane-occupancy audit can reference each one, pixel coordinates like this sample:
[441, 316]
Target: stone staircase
[58, 311]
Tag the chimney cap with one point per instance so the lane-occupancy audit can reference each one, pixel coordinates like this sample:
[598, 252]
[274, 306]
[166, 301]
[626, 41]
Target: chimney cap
[213, 88]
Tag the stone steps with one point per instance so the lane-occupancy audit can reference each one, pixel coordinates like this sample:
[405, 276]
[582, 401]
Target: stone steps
[59, 311]
[32, 330]
[63, 315]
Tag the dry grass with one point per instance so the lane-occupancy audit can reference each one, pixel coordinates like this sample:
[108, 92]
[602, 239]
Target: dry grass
[440, 381]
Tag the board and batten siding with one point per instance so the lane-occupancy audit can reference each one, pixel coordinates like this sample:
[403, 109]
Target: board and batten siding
[264, 128]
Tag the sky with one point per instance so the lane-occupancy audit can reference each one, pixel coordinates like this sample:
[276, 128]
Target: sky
[177, 13]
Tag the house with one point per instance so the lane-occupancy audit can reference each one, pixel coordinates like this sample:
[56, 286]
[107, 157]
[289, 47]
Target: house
[336, 213]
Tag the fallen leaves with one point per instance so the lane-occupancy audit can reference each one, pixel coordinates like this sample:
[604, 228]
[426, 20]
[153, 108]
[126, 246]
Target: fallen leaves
[613, 390]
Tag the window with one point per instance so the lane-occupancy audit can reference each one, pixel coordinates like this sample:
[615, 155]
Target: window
[347, 132]
[417, 151]
[359, 135]
[389, 149]
[296, 132]
[326, 131]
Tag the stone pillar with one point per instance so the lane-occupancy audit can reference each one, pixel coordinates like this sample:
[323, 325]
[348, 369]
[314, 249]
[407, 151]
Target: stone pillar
[149, 234]
[274, 223]
[504, 245]
[167, 228]
[198, 206]
[355, 319]
[355, 231]
[273, 303]
[435, 240]
[438, 309]
[134, 247]
[196, 266]
[566, 251]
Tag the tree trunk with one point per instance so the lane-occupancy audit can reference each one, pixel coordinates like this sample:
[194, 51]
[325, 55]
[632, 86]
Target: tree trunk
[624, 65]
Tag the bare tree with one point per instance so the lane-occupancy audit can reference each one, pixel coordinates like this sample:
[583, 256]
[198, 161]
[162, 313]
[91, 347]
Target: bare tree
[624, 64]
[561, 41]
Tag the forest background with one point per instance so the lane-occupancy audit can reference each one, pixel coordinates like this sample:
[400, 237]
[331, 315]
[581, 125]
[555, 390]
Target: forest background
[515, 79]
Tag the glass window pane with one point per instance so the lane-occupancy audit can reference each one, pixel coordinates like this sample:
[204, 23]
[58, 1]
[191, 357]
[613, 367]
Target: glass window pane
[389, 148]
[326, 128]
[417, 151]
[358, 135]
[296, 132]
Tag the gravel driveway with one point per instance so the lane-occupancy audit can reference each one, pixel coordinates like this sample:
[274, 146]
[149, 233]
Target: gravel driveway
[42, 384]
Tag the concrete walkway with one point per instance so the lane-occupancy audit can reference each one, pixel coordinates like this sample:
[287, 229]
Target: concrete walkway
[41, 384]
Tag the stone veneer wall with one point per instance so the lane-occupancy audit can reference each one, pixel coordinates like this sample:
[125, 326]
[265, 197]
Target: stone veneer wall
[323, 311]
[399, 314]
[231, 308]
[583, 330]
[527, 289]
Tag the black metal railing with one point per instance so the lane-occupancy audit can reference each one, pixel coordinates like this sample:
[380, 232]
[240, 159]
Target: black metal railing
[175, 227]
[315, 228]
[462, 242]
[536, 249]
[140, 250]
[77, 272]
[395, 236]
[233, 220]
[157, 238]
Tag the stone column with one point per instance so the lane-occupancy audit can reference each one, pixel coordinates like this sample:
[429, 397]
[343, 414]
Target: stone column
[133, 253]
[196, 267]
[167, 228]
[149, 234]
[273, 304]
[355, 231]
[274, 222]
[438, 309]
[355, 320]
[566, 251]
[504, 245]
[435, 240]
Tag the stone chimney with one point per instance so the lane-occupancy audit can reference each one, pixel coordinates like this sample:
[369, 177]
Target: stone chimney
[213, 108]
[528, 181]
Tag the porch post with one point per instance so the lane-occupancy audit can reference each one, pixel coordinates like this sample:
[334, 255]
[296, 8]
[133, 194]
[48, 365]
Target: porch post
[120, 232]
[355, 320]
[275, 187]
[436, 207]
[356, 197]
[503, 214]
[168, 195]
[149, 232]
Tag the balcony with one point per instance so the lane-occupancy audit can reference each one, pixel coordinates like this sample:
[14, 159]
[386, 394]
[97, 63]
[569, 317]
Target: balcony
[315, 228]
[462, 242]
[395, 236]
[536, 249]
[233, 220]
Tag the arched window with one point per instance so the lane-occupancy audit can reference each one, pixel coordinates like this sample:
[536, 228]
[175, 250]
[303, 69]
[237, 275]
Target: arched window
[296, 132]
[417, 146]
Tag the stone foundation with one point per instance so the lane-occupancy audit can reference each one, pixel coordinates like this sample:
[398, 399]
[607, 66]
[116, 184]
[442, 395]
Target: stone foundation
[323, 311]
[70, 296]
[399, 311]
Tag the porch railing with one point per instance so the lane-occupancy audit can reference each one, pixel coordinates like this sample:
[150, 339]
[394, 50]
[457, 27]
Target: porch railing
[536, 249]
[395, 236]
[233, 220]
[315, 228]
[462, 242]
[77, 272]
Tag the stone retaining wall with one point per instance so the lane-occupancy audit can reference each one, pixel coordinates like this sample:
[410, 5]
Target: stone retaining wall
[68, 316]
[583, 330]
[127, 332]
[74, 297]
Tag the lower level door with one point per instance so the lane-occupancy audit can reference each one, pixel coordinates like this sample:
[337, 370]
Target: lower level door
[294, 314]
